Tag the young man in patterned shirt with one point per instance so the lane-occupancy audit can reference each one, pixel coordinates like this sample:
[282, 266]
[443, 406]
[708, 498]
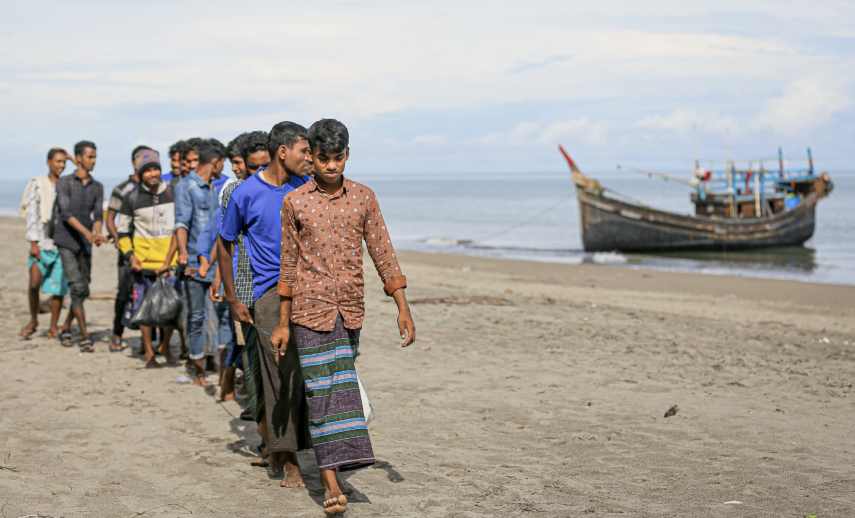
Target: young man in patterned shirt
[321, 294]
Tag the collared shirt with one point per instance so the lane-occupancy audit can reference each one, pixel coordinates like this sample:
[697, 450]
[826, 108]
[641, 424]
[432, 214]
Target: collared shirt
[36, 229]
[241, 264]
[84, 202]
[195, 203]
[321, 267]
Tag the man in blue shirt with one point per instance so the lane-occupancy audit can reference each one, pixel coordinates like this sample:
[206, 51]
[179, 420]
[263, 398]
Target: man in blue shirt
[254, 210]
[195, 203]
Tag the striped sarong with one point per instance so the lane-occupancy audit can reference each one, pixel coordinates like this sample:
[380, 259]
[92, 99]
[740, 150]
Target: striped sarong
[336, 422]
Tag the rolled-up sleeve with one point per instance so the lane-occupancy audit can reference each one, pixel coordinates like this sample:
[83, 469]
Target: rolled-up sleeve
[183, 206]
[381, 251]
[290, 250]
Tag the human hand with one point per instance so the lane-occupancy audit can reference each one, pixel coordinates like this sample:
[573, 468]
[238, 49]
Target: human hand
[163, 270]
[183, 257]
[136, 265]
[239, 312]
[407, 327]
[213, 289]
[279, 341]
[35, 253]
[98, 239]
[191, 271]
[204, 267]
[90, 236]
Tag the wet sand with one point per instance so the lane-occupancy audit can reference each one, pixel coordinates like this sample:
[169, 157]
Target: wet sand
[533, 389]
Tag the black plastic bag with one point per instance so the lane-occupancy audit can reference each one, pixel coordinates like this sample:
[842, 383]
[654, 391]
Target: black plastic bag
[161, 306]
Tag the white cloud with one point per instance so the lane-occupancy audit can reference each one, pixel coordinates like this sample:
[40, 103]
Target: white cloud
[804, 105]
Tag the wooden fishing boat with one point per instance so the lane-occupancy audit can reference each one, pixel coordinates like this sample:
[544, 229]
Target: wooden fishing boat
[779, 209]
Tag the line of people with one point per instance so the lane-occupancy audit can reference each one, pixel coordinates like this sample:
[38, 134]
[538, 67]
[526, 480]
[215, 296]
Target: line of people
[269, 264]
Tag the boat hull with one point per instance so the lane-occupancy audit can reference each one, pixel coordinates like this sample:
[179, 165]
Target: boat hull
[609, 225]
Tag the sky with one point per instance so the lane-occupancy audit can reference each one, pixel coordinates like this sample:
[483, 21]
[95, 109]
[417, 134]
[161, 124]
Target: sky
[435, 87]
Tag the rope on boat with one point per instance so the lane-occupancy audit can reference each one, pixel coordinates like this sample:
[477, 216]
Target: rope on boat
[526, 222]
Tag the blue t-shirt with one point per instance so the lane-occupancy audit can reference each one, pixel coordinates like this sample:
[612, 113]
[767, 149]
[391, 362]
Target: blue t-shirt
[254, 210]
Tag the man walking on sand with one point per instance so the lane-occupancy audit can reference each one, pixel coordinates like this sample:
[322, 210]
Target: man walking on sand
[254, 156]
[45, 265]
[146, 220]
[123, 295]
[77, 226]
[253, 212]
[321, 293]
[196, 203]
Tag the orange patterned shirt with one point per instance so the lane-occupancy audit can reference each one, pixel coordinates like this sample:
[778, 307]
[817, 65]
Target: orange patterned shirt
[321, 267]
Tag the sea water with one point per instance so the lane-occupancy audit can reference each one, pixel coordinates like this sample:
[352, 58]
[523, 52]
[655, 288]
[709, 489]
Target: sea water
[536, 217]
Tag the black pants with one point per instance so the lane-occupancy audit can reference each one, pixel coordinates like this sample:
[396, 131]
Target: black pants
[78, 270]
[126, 281]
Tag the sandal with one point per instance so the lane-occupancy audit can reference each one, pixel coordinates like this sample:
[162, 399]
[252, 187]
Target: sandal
[246, 415]
[114, 344]
[263, 463]
[66, 339]
[86, 346]
[26, 334]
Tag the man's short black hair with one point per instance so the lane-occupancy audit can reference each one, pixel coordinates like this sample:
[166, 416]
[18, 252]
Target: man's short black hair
[178, 147]
[209, 149]
[233, 148]
[81, 146]
[138, 148]
[285, 133]
[253, 142]
[329, 136]
[52, 153]
[192, 144]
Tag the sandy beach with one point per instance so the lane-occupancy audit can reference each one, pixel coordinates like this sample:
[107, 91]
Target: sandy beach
[533, 390]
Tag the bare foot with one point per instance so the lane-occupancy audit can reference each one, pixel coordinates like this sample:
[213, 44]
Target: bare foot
[228, 397]
[334, 504]
[200, 381]
[334, 500]
[292, 472]
[151, 363]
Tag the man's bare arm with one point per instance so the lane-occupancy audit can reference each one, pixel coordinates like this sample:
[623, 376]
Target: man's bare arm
[111, 226]
[181, 237]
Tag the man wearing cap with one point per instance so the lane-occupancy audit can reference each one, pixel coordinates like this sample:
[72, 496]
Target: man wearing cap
[146, 220]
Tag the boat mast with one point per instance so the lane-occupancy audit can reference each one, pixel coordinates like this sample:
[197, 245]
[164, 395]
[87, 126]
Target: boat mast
[730, 177]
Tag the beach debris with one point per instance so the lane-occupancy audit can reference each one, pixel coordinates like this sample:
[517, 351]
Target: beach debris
[509, 291]
[733, 502]
[102, 296]
[466, 269]
[424, 347]
[486, 301]
[824, 340]
[182, 379]
[671, 411]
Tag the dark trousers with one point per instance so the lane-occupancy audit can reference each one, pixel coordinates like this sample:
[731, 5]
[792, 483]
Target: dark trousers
[124, 295]
[78, 270]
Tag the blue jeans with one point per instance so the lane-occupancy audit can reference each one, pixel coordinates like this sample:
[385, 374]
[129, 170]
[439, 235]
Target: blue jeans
[225, 325]
[196, 292]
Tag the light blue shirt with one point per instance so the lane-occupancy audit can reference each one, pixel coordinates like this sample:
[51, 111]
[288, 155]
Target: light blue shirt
[195, 204]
